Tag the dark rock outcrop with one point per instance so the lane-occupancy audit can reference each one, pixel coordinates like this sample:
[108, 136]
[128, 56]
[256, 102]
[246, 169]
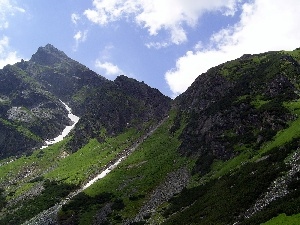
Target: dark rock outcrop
[120, 105]
[29, 114]
[31, 111]
[237, 105]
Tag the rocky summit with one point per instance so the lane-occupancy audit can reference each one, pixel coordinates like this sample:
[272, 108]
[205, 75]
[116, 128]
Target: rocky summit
[226, 151]
[31, 111]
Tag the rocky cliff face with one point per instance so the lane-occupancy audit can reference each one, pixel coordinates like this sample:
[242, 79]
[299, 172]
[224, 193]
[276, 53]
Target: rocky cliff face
[67, 79]
[238, 105]
[118, 106]
[29, 114]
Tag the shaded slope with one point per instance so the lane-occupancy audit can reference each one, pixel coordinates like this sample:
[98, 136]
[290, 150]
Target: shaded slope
[120, 105]
[147, 178]
[28, 113]
[107, 108]
[64, 77]
[242, 125]
[238, 105]
[31, 111]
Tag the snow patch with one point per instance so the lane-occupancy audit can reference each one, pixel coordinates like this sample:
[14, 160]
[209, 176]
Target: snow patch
[67, 129]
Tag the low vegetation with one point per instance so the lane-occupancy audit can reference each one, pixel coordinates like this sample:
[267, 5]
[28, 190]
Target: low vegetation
[54, 168]
[134, 180]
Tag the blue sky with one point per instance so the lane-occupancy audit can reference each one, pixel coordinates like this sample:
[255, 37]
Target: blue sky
[165, 43]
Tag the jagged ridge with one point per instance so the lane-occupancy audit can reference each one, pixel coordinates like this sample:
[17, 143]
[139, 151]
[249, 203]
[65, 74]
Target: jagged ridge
[30, 93]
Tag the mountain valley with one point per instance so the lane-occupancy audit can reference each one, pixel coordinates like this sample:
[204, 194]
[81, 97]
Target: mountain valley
[226, 151]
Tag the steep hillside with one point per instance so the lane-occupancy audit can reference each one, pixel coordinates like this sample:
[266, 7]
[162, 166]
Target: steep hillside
[226, 152]
[243, 127]
[67, 79]
[31, 111]
[238, 106]
[28, 113]
[116, 107]
[236, 130]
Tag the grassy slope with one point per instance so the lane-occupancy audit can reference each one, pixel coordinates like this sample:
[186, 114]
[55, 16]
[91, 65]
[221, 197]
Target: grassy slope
[221, 168]
[240, 181]
[223, 194]
[284, 220]
[25, 168]
[63, 173]
[136, 177]
[87, 161]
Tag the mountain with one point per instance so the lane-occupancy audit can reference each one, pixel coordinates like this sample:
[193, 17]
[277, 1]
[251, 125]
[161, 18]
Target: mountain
[116, 107]
[31, 111]
[226, 151]
[238, 105]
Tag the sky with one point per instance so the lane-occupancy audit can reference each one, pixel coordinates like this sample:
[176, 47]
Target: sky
[165, 43]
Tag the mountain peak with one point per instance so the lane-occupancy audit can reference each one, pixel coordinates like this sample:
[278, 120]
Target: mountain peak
[48, 55]
[50, 47]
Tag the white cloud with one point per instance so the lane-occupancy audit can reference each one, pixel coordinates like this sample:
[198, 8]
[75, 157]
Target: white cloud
[106, 11]
[159, 15]
[79, 37]
[7, 56]
[110, 70]
[75, 17]
[10, 58]
[7, 9]
[264, 25]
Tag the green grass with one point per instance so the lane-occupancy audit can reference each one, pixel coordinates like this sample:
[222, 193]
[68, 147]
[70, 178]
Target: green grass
[258, 102]
[87, 161]
[52, 164]
[55, 166]
[41, 158]
[293, 106]
[26, 168]
[23, 130]
[230, 69]
[295, 54]
[81, 95]
[142, 171]
[258, 59]
[220, 168]
[284, 220]
[285, 135]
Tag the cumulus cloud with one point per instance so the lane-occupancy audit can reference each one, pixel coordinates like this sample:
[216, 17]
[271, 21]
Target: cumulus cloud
[7, 56]
[7, 9]
[158, 15]
[110, 70]
[264, 25]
